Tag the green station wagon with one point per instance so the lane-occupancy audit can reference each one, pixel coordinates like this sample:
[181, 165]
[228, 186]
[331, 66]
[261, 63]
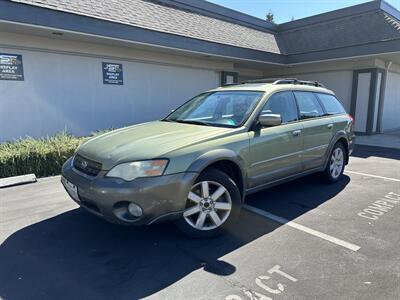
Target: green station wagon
[197, 165]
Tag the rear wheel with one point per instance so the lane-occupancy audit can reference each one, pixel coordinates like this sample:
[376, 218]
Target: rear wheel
[335, 167]
[213, 204]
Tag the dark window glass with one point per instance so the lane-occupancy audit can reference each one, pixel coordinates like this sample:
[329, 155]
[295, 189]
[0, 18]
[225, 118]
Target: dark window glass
[284, 104]
[331, 104]
[308, 105]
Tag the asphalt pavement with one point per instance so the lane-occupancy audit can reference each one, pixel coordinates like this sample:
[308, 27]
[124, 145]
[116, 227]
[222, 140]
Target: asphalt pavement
[301, 240]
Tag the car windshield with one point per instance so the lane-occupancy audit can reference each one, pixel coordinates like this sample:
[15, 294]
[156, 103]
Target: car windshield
[225, 108]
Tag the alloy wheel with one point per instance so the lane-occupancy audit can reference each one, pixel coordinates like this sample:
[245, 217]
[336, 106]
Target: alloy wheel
[336, 163]
[208, 205]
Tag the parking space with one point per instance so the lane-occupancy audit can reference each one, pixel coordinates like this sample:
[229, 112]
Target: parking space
[359, 209]
[376, 161]
[301, 240]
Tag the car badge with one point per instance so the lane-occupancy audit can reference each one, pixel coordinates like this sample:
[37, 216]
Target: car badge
[84, 164]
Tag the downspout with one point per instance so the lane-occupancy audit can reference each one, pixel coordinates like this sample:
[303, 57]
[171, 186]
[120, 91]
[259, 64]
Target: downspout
[388, 64]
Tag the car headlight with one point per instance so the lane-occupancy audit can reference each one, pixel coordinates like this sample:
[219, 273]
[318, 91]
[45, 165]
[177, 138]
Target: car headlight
[132, 170]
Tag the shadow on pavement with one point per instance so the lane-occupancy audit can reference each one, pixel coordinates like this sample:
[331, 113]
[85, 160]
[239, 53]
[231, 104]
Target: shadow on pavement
[296, 198]
[77, 256]
[368, 151]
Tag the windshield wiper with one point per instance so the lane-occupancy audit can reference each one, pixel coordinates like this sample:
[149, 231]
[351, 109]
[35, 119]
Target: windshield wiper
[195, 122]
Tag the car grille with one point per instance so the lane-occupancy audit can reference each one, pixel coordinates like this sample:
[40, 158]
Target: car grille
[86, 166]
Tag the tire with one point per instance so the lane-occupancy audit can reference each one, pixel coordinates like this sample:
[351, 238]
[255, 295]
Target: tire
[202, 218]
[336, 163]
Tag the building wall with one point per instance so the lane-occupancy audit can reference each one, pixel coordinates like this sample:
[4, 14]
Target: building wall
[65, 91]
[391, 108]
[63, 88]
[101, 47]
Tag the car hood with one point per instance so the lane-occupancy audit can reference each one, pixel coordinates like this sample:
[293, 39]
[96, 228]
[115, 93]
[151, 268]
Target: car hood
[146, 141]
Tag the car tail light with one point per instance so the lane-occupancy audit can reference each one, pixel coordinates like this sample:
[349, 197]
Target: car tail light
[351, 119]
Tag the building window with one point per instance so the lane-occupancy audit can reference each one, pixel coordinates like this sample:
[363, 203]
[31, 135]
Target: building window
[229, 78]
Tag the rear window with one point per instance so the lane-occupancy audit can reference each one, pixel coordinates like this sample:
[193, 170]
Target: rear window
[331, 104]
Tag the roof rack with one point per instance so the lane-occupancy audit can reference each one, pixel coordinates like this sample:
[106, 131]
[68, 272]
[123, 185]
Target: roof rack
[286, 81]
[231, 84]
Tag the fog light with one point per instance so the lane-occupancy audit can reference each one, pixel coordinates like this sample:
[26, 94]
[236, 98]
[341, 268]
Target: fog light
[135, 210]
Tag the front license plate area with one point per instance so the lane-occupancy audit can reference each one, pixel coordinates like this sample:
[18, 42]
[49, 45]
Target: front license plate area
[71, 188]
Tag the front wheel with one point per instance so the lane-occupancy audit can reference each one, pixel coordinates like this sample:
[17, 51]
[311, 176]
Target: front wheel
[212, 205]
[335, 166]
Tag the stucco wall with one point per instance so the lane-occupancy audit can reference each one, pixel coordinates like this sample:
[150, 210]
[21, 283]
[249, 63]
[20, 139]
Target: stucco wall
[66, 92]
[391, 109]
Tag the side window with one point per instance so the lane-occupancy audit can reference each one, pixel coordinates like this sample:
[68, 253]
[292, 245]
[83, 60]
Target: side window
[284, 104]
[331, 104]
[308, 105]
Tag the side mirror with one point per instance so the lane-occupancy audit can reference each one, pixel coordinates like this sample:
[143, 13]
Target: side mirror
[268, 120]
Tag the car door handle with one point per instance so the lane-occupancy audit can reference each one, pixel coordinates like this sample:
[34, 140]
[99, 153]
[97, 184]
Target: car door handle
[296, 132]
[330, 126]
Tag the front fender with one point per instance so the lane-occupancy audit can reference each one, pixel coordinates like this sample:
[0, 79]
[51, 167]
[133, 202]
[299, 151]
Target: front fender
[212, 156]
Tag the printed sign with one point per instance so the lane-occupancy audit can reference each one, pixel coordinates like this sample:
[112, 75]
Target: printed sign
[11, 67]
[112, 73]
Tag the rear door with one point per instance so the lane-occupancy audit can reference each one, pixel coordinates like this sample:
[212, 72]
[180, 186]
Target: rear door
[317, 131]
[275, 152]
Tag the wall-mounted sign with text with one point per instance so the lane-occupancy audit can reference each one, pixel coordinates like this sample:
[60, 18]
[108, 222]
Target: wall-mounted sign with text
[112, 73]
[11, 67]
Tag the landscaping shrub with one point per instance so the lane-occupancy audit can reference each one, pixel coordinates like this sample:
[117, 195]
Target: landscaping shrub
[44, 156]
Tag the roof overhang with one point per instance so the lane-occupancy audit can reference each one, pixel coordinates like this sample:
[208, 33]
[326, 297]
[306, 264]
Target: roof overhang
[39, 17]
[366, 50]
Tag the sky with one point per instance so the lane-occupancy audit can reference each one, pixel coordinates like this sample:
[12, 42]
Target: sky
[285, 10]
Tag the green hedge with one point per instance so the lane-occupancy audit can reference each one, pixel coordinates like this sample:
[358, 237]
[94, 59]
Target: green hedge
[44, 157]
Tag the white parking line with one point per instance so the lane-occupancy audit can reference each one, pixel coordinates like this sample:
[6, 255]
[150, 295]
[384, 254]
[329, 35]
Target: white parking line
[302, 228]
[374, 176]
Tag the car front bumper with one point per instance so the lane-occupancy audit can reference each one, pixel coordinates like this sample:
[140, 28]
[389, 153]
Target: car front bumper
[160, 198]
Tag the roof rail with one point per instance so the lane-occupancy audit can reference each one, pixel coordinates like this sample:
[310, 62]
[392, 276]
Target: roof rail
[286, 81]
[262, 80]
[231, 84]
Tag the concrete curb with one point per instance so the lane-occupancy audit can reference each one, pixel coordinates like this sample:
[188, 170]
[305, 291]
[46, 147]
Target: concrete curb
[17, 180]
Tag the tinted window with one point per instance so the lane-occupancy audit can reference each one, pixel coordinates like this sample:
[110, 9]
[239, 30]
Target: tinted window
[308, 105]
[331, 104]
[283, 104]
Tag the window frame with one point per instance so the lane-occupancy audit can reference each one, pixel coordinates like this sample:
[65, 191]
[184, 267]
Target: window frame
[255, 120]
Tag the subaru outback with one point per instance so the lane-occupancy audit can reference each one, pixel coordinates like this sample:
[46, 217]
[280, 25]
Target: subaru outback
[196, 166]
